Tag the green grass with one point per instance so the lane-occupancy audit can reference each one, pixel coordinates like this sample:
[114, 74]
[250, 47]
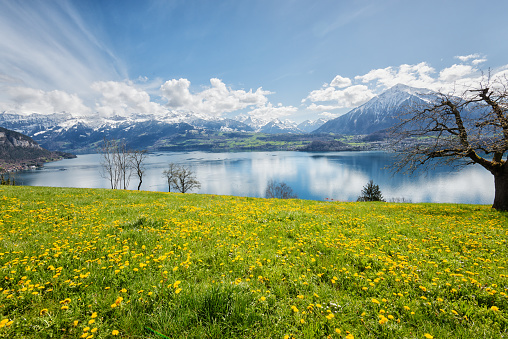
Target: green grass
[80, 263]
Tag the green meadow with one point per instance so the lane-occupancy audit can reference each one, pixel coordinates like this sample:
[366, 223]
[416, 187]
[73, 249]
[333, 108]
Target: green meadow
[86, 263]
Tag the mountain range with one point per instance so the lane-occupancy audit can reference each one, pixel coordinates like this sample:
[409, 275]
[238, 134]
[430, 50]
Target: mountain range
[65, 132]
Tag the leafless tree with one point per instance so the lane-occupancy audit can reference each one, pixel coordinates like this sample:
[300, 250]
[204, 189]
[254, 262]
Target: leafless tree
[118, 163]
[280, 190]
[109, 169]
[181, 178]
[170, 174]
[468, 128]
[124, 165]
[137, 159]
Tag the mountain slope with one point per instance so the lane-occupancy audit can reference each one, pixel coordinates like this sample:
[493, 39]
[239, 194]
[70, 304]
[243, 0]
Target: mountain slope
[18, 151]
[377, 114]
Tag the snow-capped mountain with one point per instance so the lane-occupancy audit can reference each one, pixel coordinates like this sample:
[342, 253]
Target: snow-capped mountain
[311, 125]
[377, 114]
[277, 126]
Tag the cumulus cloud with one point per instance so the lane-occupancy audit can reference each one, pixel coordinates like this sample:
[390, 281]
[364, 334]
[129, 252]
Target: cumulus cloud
[30, 100]
[455, 72]
[465, 58]
[345, 92]
[215, 100]
[123, 98]
[348, 97]
[340, 82]
[419, 75]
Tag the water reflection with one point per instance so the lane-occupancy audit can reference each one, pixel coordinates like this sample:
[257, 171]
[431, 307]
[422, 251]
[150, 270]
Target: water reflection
[316, 176]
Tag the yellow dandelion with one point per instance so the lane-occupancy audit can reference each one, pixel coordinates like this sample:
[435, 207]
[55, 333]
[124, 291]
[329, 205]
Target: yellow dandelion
[114, 332]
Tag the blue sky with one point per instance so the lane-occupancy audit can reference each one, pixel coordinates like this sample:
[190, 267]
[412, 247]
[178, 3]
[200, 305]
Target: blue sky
[287, 59]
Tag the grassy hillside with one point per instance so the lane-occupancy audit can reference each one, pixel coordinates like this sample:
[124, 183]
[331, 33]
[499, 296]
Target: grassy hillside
[79, 263]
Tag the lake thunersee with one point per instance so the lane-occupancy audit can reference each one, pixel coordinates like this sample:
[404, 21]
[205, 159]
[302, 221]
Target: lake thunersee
[316, 176]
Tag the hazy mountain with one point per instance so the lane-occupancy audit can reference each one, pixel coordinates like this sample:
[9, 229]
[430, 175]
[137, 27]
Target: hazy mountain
[377, 114]
[277, 126]
[311, 125]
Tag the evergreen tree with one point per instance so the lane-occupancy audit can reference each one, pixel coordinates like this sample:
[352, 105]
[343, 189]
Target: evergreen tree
[371, 192]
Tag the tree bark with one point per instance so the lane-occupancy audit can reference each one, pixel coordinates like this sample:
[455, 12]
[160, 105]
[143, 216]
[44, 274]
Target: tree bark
[501, 188]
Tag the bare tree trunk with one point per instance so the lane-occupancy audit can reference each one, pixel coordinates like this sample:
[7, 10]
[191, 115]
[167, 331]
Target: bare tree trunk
[501, 188]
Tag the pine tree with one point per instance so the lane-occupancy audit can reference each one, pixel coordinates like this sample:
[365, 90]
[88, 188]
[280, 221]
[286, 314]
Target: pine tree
[371, 192]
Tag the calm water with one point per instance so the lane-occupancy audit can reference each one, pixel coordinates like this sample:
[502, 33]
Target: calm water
[316, 176]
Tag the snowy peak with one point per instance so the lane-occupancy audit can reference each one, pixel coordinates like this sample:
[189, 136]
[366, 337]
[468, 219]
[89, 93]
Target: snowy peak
[377, 114]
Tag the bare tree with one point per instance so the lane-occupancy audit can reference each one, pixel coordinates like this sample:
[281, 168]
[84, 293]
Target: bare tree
[469, 128]
[137, 158]
[181, 178]
[278, 190]
[123, 164]
[118, 162]
[170, 174]
[109, 169]
[186, 180]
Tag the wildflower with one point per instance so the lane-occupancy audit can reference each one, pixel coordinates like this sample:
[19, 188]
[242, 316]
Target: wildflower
[294, 309]
[302, 321]
[93, 330]
[262, 298]
[300, 296]
[330, 316]
[337, 330]
[43, 311]
[375, 301]
[178, 290]
[494, 308]
[428, 336]
[94, 315]
[75, 323]
[350, 336]
[91, 321]
[64, 308]
[114, 332]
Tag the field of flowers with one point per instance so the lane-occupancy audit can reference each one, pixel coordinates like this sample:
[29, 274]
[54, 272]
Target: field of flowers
[80, 263]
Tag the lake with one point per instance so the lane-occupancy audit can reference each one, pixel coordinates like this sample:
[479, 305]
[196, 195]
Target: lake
[316, 176]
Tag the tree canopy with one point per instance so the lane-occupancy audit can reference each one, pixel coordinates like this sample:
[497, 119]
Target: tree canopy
[469, 127]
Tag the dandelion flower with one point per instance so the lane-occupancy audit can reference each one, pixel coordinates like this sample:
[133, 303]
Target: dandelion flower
[428, 336]
[494, 308]
[115, 332]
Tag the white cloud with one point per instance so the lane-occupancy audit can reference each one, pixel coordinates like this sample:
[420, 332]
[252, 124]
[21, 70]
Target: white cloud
[455, 72]
[269, 112]
[349, 97]
[340, 82]
[26, 100]
[314, 107]
[465, 58]
[215, 100]
[121, 98]
[46, 45]
[418, 75]
[479, 61]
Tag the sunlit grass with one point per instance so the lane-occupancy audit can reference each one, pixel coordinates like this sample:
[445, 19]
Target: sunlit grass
[79, 263]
